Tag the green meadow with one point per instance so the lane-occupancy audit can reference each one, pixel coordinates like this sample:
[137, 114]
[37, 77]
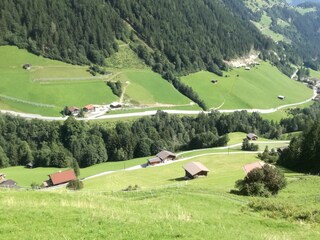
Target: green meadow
[165, 207]
[142, 85]
[48, 86]
[264, 27]
[315, 74]
[145, 87]
[243, 89]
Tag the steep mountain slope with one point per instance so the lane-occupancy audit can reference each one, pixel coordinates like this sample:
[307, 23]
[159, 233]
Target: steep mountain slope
[295, 29]
[192, 35]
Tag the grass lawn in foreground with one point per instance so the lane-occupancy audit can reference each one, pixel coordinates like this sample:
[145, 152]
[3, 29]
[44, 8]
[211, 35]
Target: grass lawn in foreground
[171, 209]
[257, 88]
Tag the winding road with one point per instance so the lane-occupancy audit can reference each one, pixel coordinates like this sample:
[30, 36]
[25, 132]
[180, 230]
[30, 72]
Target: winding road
[153, 112]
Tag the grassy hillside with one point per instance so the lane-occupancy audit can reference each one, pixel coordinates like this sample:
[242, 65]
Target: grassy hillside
[165, 208]
[48, 86]
[257, 88]
[264, 27]
[142, 85]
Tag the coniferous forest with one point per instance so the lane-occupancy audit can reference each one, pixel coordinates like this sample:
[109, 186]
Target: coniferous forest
[193, 35]
[58, 144]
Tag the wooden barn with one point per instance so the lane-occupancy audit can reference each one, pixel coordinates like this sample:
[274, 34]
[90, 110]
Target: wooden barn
[73, 110]
[252, 136]
[154, 161]
[9, 184]
[195, 169]
[162, 157]
[60, 178]
[26, 66]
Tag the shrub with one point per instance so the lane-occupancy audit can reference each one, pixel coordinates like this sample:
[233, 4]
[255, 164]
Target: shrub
[269, 156]
[131, 188]
[247, 146]
[262, 182]
[75, 185]
[35, 186]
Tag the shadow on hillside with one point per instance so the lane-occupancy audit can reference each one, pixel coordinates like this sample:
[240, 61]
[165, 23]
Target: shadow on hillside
[178, 179]
[144, 165]
[235, 192]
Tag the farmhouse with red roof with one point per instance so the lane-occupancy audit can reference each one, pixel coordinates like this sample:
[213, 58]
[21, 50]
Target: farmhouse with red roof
[60, 178]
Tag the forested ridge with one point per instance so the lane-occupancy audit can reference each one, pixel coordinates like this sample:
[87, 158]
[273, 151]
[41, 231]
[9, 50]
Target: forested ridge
[192, 35]
[303, 32]
[74, 31]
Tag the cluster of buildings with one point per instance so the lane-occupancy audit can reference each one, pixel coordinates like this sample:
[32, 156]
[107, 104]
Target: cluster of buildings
[93, 108]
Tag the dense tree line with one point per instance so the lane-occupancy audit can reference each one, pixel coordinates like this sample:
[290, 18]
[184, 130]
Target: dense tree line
[73, 142]
[301, 119]
[192, 35]
[75, 31]
[304, 151]
[303, 32]
[59, 144]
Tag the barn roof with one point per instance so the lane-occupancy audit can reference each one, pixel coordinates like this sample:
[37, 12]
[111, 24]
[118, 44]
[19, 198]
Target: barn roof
[195, 167]
[62, 177]
[165, 154]
[72, 109]
[8, 184]
[154, 160]
[249, 167]
[251, 135]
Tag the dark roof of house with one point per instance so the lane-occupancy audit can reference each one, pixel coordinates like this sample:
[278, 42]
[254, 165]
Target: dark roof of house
[72, 109]
[251, 135]
[62, 177]
[249, 167]
[154, 160]
[30, 164]
[165, 154]
[8, 184]
[195, 167]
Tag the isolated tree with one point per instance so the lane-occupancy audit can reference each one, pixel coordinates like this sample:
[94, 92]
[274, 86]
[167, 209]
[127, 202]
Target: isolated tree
[75, 185]
[247, 146]
[262, 182]
[75, 166]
